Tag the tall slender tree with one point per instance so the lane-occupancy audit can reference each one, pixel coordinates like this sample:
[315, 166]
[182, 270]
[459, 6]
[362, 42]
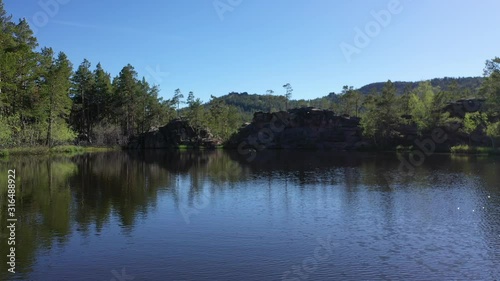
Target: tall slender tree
[102, 93]
[82, 94]
[177, 99]
[57, 102]
[125, 86]
[288, 94]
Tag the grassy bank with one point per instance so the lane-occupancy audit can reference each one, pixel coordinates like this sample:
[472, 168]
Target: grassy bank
[43, 150]
[184, 147]
[466, 149]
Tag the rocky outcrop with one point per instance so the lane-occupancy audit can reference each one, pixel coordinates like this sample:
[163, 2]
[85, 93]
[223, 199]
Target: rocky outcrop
[309, 128]
[461, 107]
[176, 133]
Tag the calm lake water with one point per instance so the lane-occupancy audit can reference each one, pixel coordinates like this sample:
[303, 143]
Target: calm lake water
[283, 216]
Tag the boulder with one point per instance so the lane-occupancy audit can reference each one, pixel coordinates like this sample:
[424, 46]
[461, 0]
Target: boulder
[177, 132]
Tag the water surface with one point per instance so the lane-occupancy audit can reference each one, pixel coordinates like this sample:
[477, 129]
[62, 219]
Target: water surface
[283, 216]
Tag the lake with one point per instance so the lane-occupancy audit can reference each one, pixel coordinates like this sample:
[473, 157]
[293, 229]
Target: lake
[285, 215]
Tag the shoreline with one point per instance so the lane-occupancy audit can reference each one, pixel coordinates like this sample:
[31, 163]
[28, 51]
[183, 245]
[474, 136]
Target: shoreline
[75, 150]
[61, 150]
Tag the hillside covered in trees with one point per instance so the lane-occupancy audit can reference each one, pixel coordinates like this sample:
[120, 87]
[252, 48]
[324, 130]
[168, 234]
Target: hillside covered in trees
[459, 88]
[46, 101]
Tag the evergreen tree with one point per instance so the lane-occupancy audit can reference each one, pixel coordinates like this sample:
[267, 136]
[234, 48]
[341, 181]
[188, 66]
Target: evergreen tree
[288, 94]
[56, 100]
[350, 101]
[177, 99]
[102, 93]
[196, 112]
[382, 116]
[82, 94]
[491, 86]
[125, 86]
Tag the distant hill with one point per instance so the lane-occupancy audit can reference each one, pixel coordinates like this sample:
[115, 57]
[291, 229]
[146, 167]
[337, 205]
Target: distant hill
[467, 84]
[248, 104]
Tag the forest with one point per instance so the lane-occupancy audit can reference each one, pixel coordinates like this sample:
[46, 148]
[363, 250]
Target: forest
[46, 101]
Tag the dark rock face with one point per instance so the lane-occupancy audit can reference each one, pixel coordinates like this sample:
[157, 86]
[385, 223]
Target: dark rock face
[299, 128]
[177, 132]
[461, 107]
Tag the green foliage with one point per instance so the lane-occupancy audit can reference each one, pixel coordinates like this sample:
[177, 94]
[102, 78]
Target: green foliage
[42, 102]
[493, 131]
[491, 86]
[5, 131]
[465, 87]
[247, 104]
[466, 149]
[223, 120]
[177, 99]
[461, 149]
[35, 150]
[61, 133]
[288, 93]
[196, 112]
[57, 104]
[83, 95]
[421, 105]
[381, 118]
[473, 120]
[349, 102]
[135, 105]
[68, 149]
[425, 104]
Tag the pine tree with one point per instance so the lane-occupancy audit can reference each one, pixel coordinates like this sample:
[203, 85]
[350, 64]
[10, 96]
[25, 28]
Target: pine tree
[102, 91]
[57, 103]
[125, 87]
[82, 95]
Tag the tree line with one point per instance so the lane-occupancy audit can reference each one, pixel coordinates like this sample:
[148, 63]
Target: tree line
[384, 113]
[44, 101]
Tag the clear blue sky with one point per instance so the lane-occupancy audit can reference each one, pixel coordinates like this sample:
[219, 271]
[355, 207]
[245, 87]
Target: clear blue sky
[256, 45]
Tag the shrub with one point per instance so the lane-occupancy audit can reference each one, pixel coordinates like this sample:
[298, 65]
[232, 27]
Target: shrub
[106, 134]
[465, 149]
